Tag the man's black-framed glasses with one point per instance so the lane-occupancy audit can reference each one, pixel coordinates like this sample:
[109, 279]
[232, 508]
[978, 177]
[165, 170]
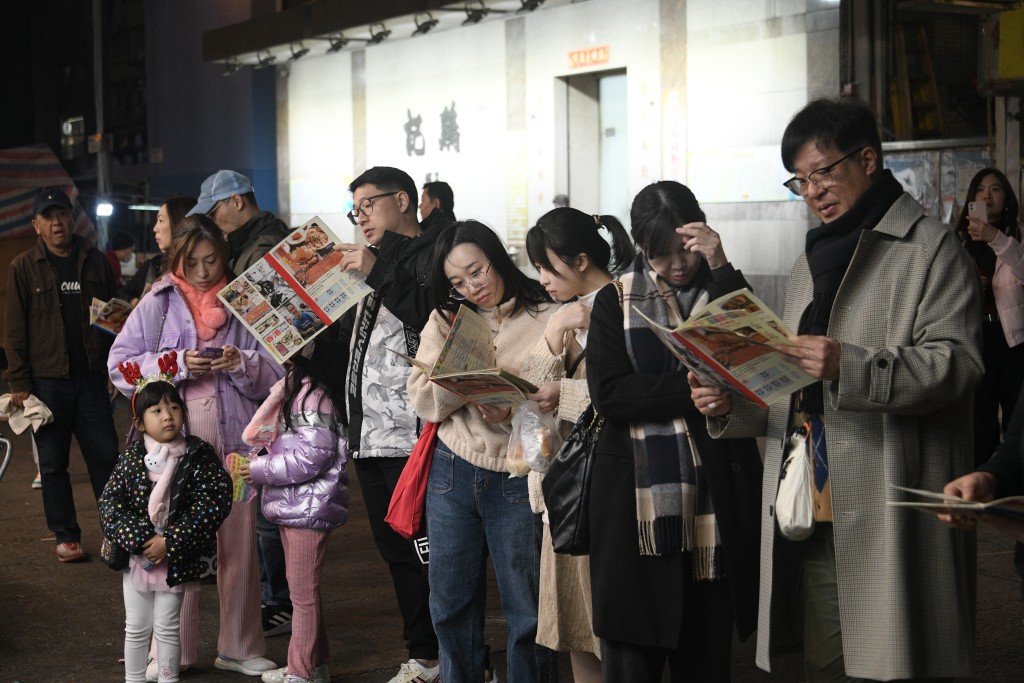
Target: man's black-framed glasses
[821, 177]
[476, 280]
[366, 206]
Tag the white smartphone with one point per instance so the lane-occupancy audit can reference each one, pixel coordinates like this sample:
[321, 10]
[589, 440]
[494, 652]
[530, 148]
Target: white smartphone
[978, 210]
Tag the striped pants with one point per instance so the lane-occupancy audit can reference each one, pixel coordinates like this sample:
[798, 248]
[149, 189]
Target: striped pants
[304, 552]
[238, 570]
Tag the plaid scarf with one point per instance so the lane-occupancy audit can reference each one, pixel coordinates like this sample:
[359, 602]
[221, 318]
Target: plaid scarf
[673, 501]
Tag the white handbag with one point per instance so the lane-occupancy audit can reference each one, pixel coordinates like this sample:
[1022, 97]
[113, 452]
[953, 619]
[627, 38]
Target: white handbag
[794, 505]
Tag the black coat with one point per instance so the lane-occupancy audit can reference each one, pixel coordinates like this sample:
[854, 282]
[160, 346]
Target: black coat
[200, 502]
[639, 599]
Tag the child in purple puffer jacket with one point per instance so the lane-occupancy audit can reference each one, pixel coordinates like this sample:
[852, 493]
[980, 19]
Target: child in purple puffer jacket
[305, 491]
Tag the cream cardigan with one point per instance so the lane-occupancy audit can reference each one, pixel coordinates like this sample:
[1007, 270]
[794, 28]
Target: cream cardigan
[461, 428]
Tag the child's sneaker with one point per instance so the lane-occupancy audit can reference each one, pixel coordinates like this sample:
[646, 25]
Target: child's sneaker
[250, 667]
[414, 672]
[320, 675]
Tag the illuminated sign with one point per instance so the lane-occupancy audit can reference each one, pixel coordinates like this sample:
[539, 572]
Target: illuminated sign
[592, 56]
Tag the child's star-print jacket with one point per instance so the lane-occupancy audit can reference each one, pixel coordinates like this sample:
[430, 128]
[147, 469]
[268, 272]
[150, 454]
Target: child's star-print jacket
[200, 502]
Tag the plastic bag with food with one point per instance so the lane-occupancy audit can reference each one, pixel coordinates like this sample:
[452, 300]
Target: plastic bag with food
[533, 442]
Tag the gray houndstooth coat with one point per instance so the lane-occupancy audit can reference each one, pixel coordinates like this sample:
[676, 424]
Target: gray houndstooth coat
[906, 315]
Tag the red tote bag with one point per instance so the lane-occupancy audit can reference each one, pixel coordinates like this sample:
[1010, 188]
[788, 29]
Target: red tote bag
[405, 512]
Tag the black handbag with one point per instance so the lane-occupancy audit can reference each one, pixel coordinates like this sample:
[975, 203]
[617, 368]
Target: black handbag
[113, 555]
[566, 486]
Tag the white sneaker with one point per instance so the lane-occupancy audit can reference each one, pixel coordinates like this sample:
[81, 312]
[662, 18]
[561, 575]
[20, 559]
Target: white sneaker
[320, 675]
[414, 672]
[153, 671]
[250, 667]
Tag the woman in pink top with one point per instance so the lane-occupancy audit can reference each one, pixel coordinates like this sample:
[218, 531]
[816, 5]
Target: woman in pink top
[995, 246]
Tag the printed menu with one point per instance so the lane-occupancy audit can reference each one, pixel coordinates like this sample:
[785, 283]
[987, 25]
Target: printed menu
[294, 292]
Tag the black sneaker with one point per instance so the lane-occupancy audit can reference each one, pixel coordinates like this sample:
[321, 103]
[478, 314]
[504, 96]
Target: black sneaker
[276, 621]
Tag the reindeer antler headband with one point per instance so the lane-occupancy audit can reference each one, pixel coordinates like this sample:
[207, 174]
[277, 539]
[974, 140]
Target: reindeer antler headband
[168, 364]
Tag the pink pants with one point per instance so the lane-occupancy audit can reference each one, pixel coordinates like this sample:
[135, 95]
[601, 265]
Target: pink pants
[238, 569]
[304, 552]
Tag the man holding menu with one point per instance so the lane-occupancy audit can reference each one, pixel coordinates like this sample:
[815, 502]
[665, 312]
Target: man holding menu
[382, 424]
[884, 301]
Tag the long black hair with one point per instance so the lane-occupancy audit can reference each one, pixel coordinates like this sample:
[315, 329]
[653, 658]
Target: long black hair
[1007, 222]
[569, 232]
[301, 368]
[528, 293]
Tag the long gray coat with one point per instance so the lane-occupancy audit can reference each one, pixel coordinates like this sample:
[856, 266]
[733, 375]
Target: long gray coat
[900, 413]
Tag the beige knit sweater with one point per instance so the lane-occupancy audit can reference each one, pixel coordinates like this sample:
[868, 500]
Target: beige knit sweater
[573, 397]
[461, 428]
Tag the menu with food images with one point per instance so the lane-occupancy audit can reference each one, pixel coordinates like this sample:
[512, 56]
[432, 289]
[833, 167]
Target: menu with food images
[295, 291]
[466, 365]
[109, 316]
[730, 343]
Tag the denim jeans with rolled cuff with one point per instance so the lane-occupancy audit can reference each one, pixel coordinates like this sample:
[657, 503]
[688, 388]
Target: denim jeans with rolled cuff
[471, 512]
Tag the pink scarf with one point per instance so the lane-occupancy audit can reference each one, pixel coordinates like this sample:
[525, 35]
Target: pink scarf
[160, 496]
[262, 429]
[206, 309]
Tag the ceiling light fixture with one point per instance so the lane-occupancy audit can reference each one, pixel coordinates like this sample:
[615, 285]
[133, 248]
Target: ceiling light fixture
[474, 15]
[231, 67]
[379, 36]
[298, 54]
[426, 26]
[528, 6]
[338, 43]
[264, 61]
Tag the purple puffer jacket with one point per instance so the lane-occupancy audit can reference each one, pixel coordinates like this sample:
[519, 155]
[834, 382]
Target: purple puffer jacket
[304, 477]
[240, 391]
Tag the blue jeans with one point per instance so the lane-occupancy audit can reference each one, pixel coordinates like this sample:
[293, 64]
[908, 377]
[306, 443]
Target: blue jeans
[80, 407]
[470, 512]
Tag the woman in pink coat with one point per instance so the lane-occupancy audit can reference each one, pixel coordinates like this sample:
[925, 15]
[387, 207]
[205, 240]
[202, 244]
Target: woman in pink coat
[995, 246]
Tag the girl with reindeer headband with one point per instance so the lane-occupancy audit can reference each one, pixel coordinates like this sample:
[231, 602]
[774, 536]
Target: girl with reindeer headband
[164, 534]
[223, 376]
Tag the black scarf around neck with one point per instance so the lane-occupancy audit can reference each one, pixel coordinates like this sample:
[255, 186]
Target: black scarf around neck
[829, 249]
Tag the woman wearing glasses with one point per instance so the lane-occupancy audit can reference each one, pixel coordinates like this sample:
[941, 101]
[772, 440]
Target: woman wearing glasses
[473, 507]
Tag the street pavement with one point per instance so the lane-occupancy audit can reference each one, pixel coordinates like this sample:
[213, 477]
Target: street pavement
[64, 622]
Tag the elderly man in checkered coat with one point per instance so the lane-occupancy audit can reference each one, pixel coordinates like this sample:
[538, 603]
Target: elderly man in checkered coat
[884, 302]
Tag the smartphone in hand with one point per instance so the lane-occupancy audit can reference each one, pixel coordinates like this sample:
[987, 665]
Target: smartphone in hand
[211, 352]
[978, 210]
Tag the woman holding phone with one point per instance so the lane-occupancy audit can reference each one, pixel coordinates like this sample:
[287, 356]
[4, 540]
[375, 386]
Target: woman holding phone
[992, 236]
[223, 375]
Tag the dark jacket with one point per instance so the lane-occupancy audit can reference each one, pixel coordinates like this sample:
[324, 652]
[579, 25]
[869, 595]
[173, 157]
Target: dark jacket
[253, 240]
[1007, 463]
[400, 279]
[34, 336]
[639, 599]
[200, 502]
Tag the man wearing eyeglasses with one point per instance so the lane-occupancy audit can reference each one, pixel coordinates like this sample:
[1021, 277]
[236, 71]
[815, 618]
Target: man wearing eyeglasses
[230, 200]
[884, 301]
[382, 424]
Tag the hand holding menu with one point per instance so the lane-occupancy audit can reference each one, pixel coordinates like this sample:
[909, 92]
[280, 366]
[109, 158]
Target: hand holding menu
[938, 503]
[730, 343]
[466, 365]
[294, 292]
